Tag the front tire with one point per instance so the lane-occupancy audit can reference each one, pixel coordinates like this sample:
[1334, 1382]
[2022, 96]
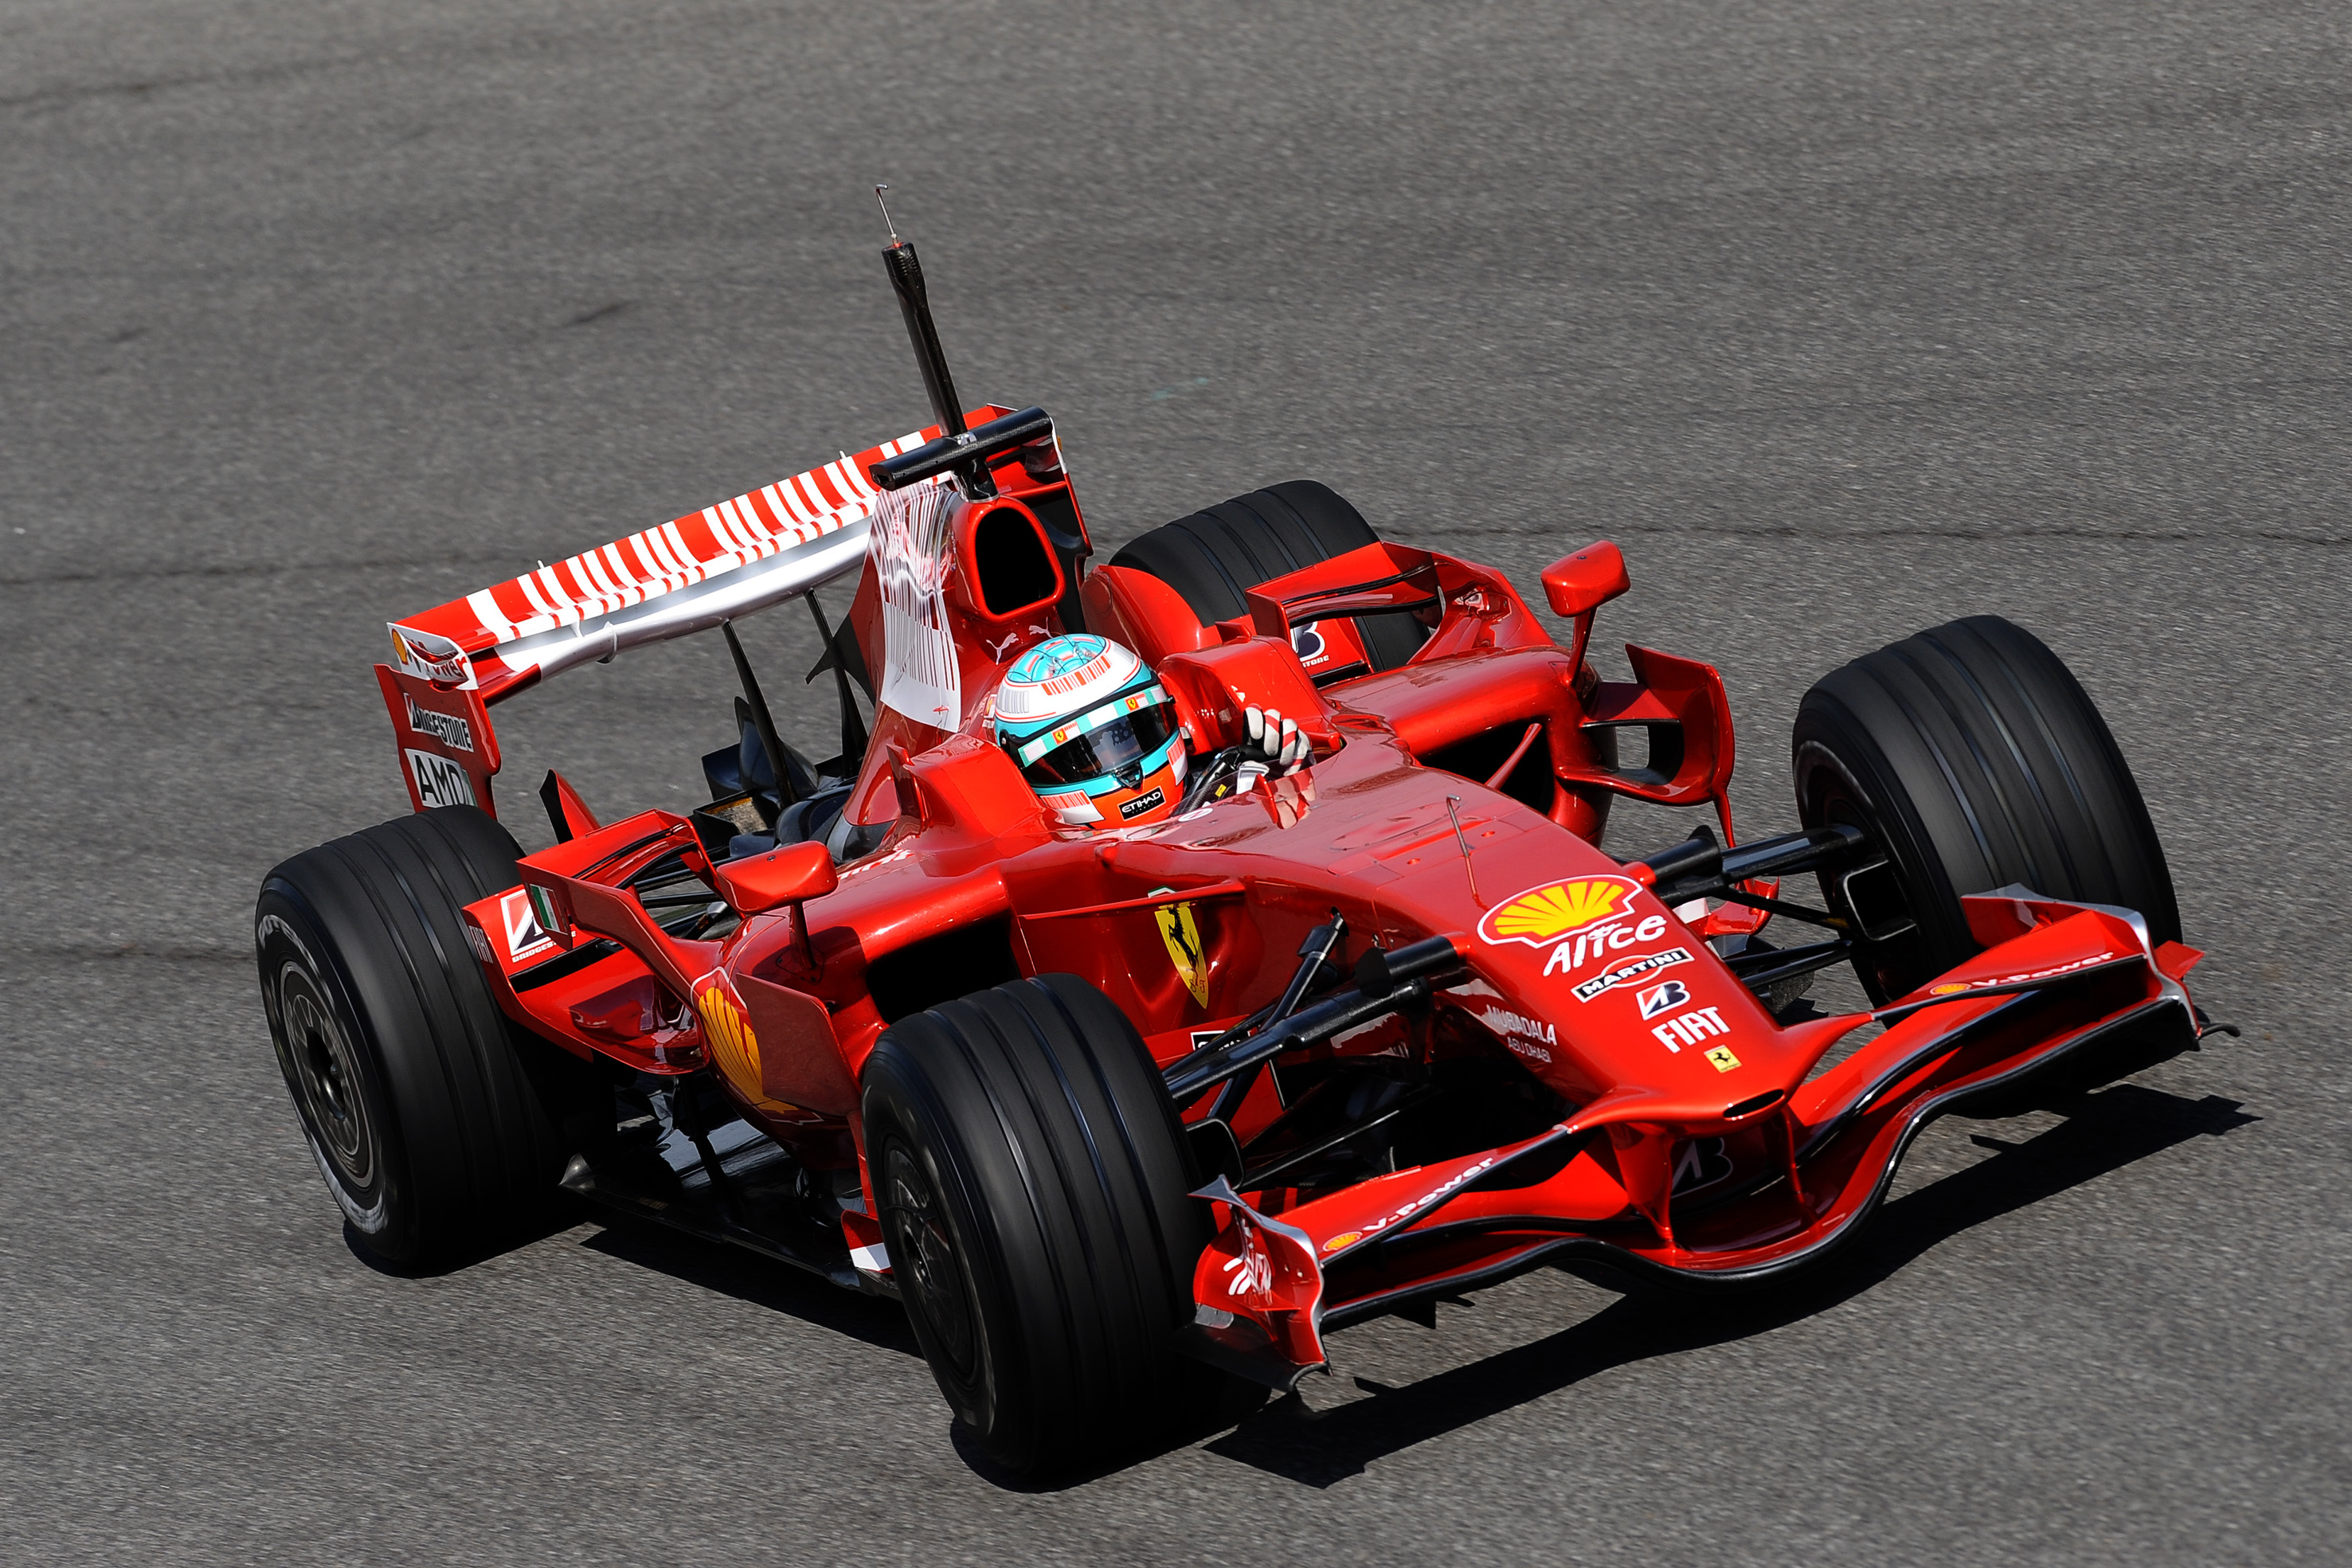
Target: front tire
[1974, 759]
[437, 1125]
[1033, 1178]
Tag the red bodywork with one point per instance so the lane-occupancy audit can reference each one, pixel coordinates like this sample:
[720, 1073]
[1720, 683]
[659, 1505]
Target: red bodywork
[1460, 795]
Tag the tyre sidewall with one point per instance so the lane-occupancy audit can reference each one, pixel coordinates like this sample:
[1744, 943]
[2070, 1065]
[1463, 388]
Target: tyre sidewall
[902, 1112]
[289, 934]
[1077, 1282]
[1843, 776]
[1975, 760]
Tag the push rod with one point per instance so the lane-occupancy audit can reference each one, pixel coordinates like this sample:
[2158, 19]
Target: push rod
[1406, 972]
[1699, 868]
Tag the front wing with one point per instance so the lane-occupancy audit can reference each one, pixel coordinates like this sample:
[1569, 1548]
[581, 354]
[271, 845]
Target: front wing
[2057, 981]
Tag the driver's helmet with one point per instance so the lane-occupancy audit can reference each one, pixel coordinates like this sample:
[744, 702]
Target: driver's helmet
[1093, 731]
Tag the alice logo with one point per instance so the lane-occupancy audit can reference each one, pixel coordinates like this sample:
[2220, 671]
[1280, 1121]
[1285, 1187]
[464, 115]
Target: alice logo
[1542, 915]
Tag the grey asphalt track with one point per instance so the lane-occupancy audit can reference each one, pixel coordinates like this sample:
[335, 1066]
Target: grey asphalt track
[1842, 319]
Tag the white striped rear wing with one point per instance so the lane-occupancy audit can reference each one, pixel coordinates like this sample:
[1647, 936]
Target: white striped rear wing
[686, 576]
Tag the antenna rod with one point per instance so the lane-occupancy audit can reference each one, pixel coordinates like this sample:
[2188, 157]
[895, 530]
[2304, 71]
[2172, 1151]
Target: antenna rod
[906, 270]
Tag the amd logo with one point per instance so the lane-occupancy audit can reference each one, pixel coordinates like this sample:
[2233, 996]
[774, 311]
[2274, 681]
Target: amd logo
[439, 781]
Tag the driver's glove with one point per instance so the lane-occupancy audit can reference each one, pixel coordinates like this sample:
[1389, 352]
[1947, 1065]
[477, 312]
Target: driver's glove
[1272, 741]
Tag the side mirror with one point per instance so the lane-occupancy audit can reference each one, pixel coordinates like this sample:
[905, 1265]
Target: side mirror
[757, 883]
[1580, 583]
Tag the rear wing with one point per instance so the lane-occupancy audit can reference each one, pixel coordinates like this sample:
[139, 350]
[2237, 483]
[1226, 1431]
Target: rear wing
[686, 576]
[450, 663]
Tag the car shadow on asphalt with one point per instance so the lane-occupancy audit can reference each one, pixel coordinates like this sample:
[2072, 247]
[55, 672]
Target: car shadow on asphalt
[748, 1277]
[2105, 1132]
[710, 1265]
[560, 1217]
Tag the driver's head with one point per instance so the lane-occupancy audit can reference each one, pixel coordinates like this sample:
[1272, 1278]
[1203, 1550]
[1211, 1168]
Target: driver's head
[1090, 727]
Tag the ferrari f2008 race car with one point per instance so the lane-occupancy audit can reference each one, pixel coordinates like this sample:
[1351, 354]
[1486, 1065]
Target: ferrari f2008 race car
[1123, 1105]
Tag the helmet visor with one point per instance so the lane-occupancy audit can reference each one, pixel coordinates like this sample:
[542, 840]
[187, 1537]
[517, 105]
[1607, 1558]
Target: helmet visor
[1103, 750]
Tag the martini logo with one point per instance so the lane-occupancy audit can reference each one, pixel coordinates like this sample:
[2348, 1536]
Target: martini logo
[1631, 969]
[1543, 915]
[1178, 930]
[733, 1046]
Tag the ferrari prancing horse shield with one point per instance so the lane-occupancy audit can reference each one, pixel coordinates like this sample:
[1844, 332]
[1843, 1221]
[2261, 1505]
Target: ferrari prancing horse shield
[1183, 940]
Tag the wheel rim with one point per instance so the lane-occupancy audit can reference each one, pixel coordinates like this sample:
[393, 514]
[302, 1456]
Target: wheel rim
[923, 1255]
[326, 1073]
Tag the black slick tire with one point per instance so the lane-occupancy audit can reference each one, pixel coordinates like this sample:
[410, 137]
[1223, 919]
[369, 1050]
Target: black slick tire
[1033, 1182]
[1975, 760]
[438, 1125]
[1217, 555]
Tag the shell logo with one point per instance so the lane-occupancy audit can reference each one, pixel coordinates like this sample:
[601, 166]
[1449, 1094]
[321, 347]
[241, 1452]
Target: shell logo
[732, 1044]
[1542, 915]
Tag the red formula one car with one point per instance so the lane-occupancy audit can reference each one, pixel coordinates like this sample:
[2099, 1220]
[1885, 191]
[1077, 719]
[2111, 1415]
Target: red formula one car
[1123, 1105]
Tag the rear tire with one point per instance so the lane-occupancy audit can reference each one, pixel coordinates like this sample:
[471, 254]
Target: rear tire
[1033, 1180]
[437, 1125]
[1215, 557]
[1974, 759]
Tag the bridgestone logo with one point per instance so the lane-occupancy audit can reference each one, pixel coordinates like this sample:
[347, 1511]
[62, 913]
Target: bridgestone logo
[445, 728]
[1633, 970]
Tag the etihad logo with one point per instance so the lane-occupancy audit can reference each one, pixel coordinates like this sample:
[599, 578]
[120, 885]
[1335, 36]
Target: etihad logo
[1542, 915]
